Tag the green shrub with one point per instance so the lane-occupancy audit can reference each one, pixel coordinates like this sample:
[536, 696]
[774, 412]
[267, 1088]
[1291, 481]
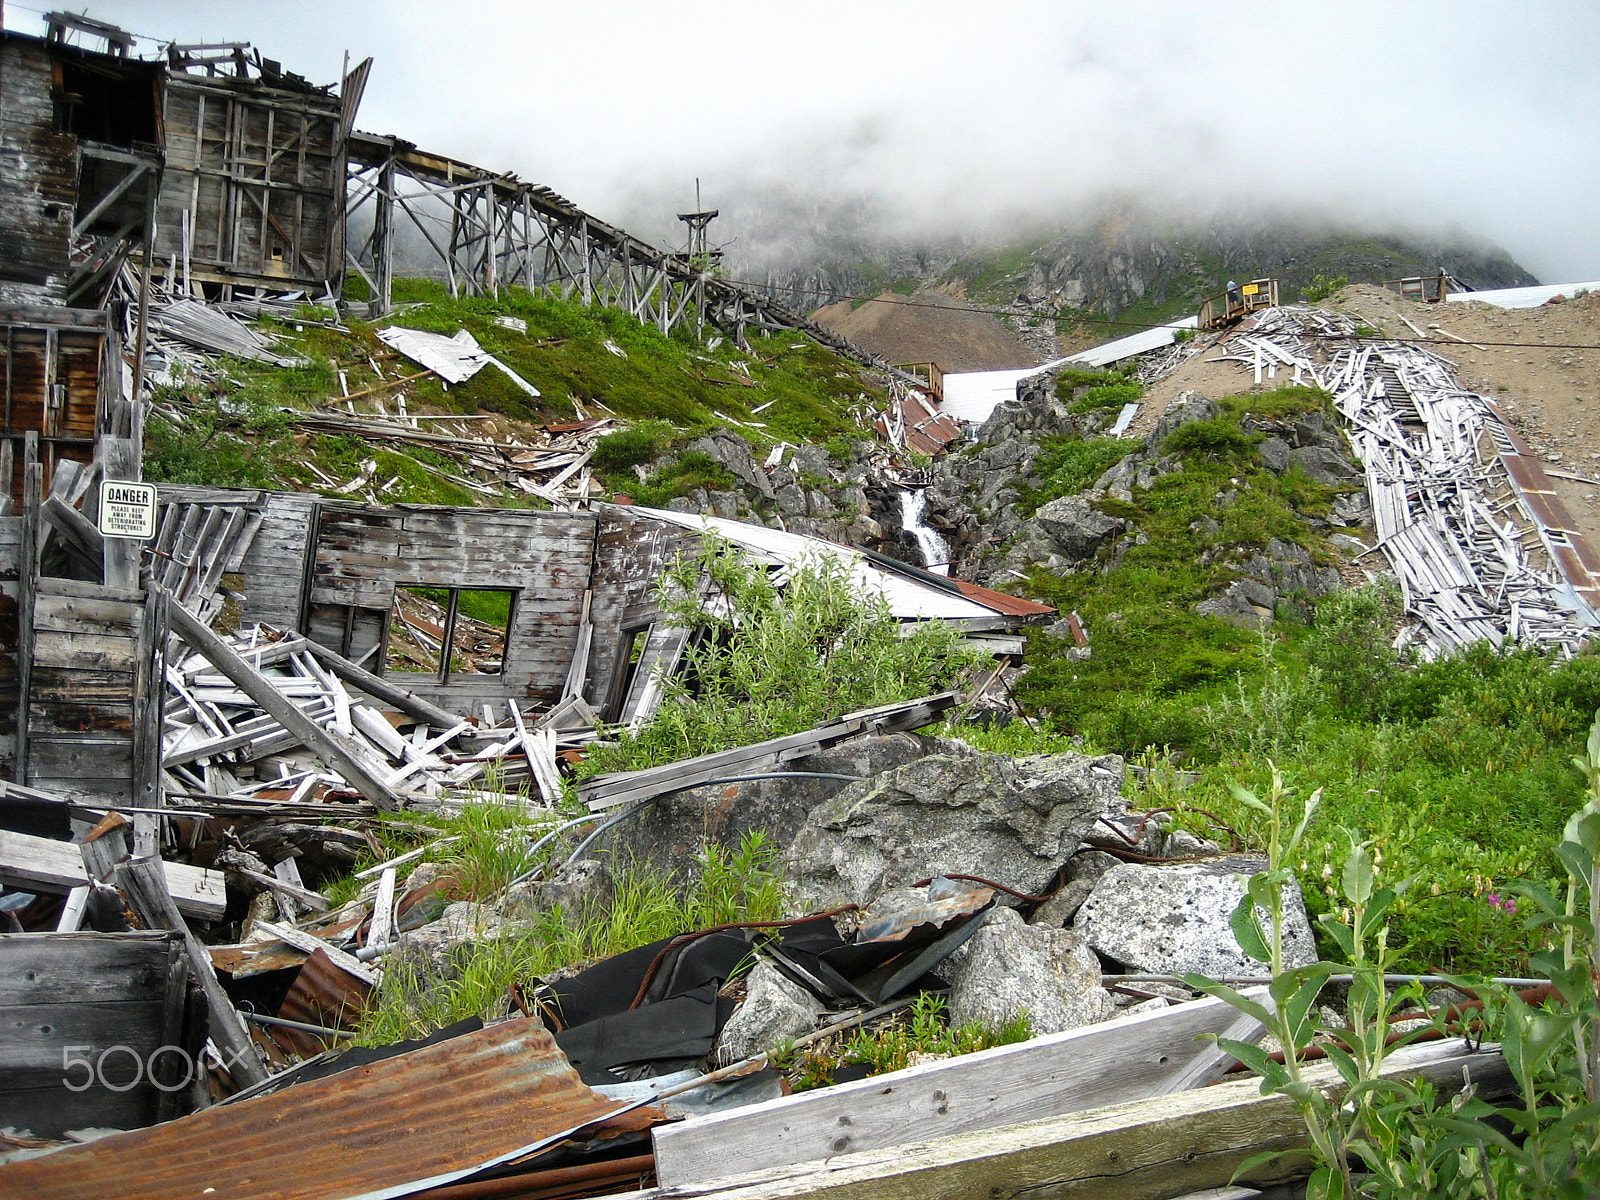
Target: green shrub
[239, 440]
[1321, 287]
[619, 452]
[1107, 395]
[1350, 648]
[764, 662]
[1219, 437]
[1067, 465]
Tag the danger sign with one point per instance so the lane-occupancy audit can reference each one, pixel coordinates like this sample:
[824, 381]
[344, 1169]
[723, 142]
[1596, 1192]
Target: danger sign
[127, 510]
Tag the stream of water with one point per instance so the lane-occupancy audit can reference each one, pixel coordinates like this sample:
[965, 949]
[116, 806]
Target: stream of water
[935, 551]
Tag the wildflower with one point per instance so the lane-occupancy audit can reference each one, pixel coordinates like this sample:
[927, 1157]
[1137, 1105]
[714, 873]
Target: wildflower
[1494, 900]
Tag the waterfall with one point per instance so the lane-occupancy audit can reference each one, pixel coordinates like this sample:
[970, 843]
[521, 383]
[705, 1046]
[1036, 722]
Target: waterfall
[935, 553]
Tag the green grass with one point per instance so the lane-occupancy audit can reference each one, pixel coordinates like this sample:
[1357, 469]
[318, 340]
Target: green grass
[414, 1000]
[671, 387]
[1458, 769]
[922, 1029]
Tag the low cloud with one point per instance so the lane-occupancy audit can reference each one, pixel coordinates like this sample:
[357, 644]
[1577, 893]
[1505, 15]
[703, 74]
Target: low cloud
[948, 119]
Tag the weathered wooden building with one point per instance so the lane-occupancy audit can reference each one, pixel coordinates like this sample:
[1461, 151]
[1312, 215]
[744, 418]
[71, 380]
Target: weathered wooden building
[570, 597]
[229, 169]
[253, 190]
[79, 167]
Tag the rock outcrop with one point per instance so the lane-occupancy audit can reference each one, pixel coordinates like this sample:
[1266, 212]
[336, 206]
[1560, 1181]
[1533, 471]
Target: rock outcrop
[1173, 918]
[960, 811]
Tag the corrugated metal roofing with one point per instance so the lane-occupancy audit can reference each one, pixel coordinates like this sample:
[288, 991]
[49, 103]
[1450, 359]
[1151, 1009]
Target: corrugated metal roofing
[1524, 297]
[454, 359]
[1011, 606]
[972, 395]
[1135, 343]
[907, 598]
[419, 1120]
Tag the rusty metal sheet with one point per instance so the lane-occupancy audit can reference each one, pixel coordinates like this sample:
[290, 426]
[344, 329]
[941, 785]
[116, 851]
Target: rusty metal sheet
[255, 958]
[1587, 554]
[1572, 566]
[419, 1120]
[1527, 474]
[1541, 509]
[324, 995]
[1010, 606]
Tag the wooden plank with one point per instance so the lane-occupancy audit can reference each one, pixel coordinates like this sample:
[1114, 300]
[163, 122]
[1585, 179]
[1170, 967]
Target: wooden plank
[91, 652]
[1150, 1054]
[381, 931]
[301, 940]
[340, 752]
[1146, 1150]
[379, 688]
[100, 1002]
[86, 614]
[109, 967]
[48, 865]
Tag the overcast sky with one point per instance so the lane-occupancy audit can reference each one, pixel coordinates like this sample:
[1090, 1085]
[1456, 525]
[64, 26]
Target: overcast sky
[1468, 113]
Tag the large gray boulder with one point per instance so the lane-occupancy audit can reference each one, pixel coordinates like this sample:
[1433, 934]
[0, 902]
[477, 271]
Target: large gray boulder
[1078, 528]
[774, 1011]
[670, 830]
[733, 452]
[1167, 920]
[1325, 466]
[1008, 968]
[1180, 410]
[960, 811]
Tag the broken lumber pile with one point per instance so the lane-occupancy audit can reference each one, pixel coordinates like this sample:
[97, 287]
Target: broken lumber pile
[1481, 549]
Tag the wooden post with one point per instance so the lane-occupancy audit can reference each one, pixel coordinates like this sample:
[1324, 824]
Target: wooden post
[329, 745]
[490, 225]
[383, 240]
[27, 587]
[147, 705]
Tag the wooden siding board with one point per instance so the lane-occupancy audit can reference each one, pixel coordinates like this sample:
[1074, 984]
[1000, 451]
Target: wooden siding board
[38, 177]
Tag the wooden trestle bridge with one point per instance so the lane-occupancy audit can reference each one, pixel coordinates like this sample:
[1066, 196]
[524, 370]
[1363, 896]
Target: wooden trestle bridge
[505, 232]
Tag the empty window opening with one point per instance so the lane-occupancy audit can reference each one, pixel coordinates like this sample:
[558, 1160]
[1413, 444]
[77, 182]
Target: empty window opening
[472, 622]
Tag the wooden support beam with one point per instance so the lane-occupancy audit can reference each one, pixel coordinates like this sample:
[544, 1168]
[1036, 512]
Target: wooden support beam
[1150, 1054]
[1146, 1150]
[380, 688]
[339, 752]
[142, 880]
[625, 787]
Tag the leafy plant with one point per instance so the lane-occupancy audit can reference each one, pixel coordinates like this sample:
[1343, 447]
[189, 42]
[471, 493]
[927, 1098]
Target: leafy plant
[1321, 287]
[1337, 1127]
[764, 660]
[1390, 1139]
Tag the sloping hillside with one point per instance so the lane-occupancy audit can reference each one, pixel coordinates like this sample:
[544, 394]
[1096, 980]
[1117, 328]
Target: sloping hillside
[928, 327]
